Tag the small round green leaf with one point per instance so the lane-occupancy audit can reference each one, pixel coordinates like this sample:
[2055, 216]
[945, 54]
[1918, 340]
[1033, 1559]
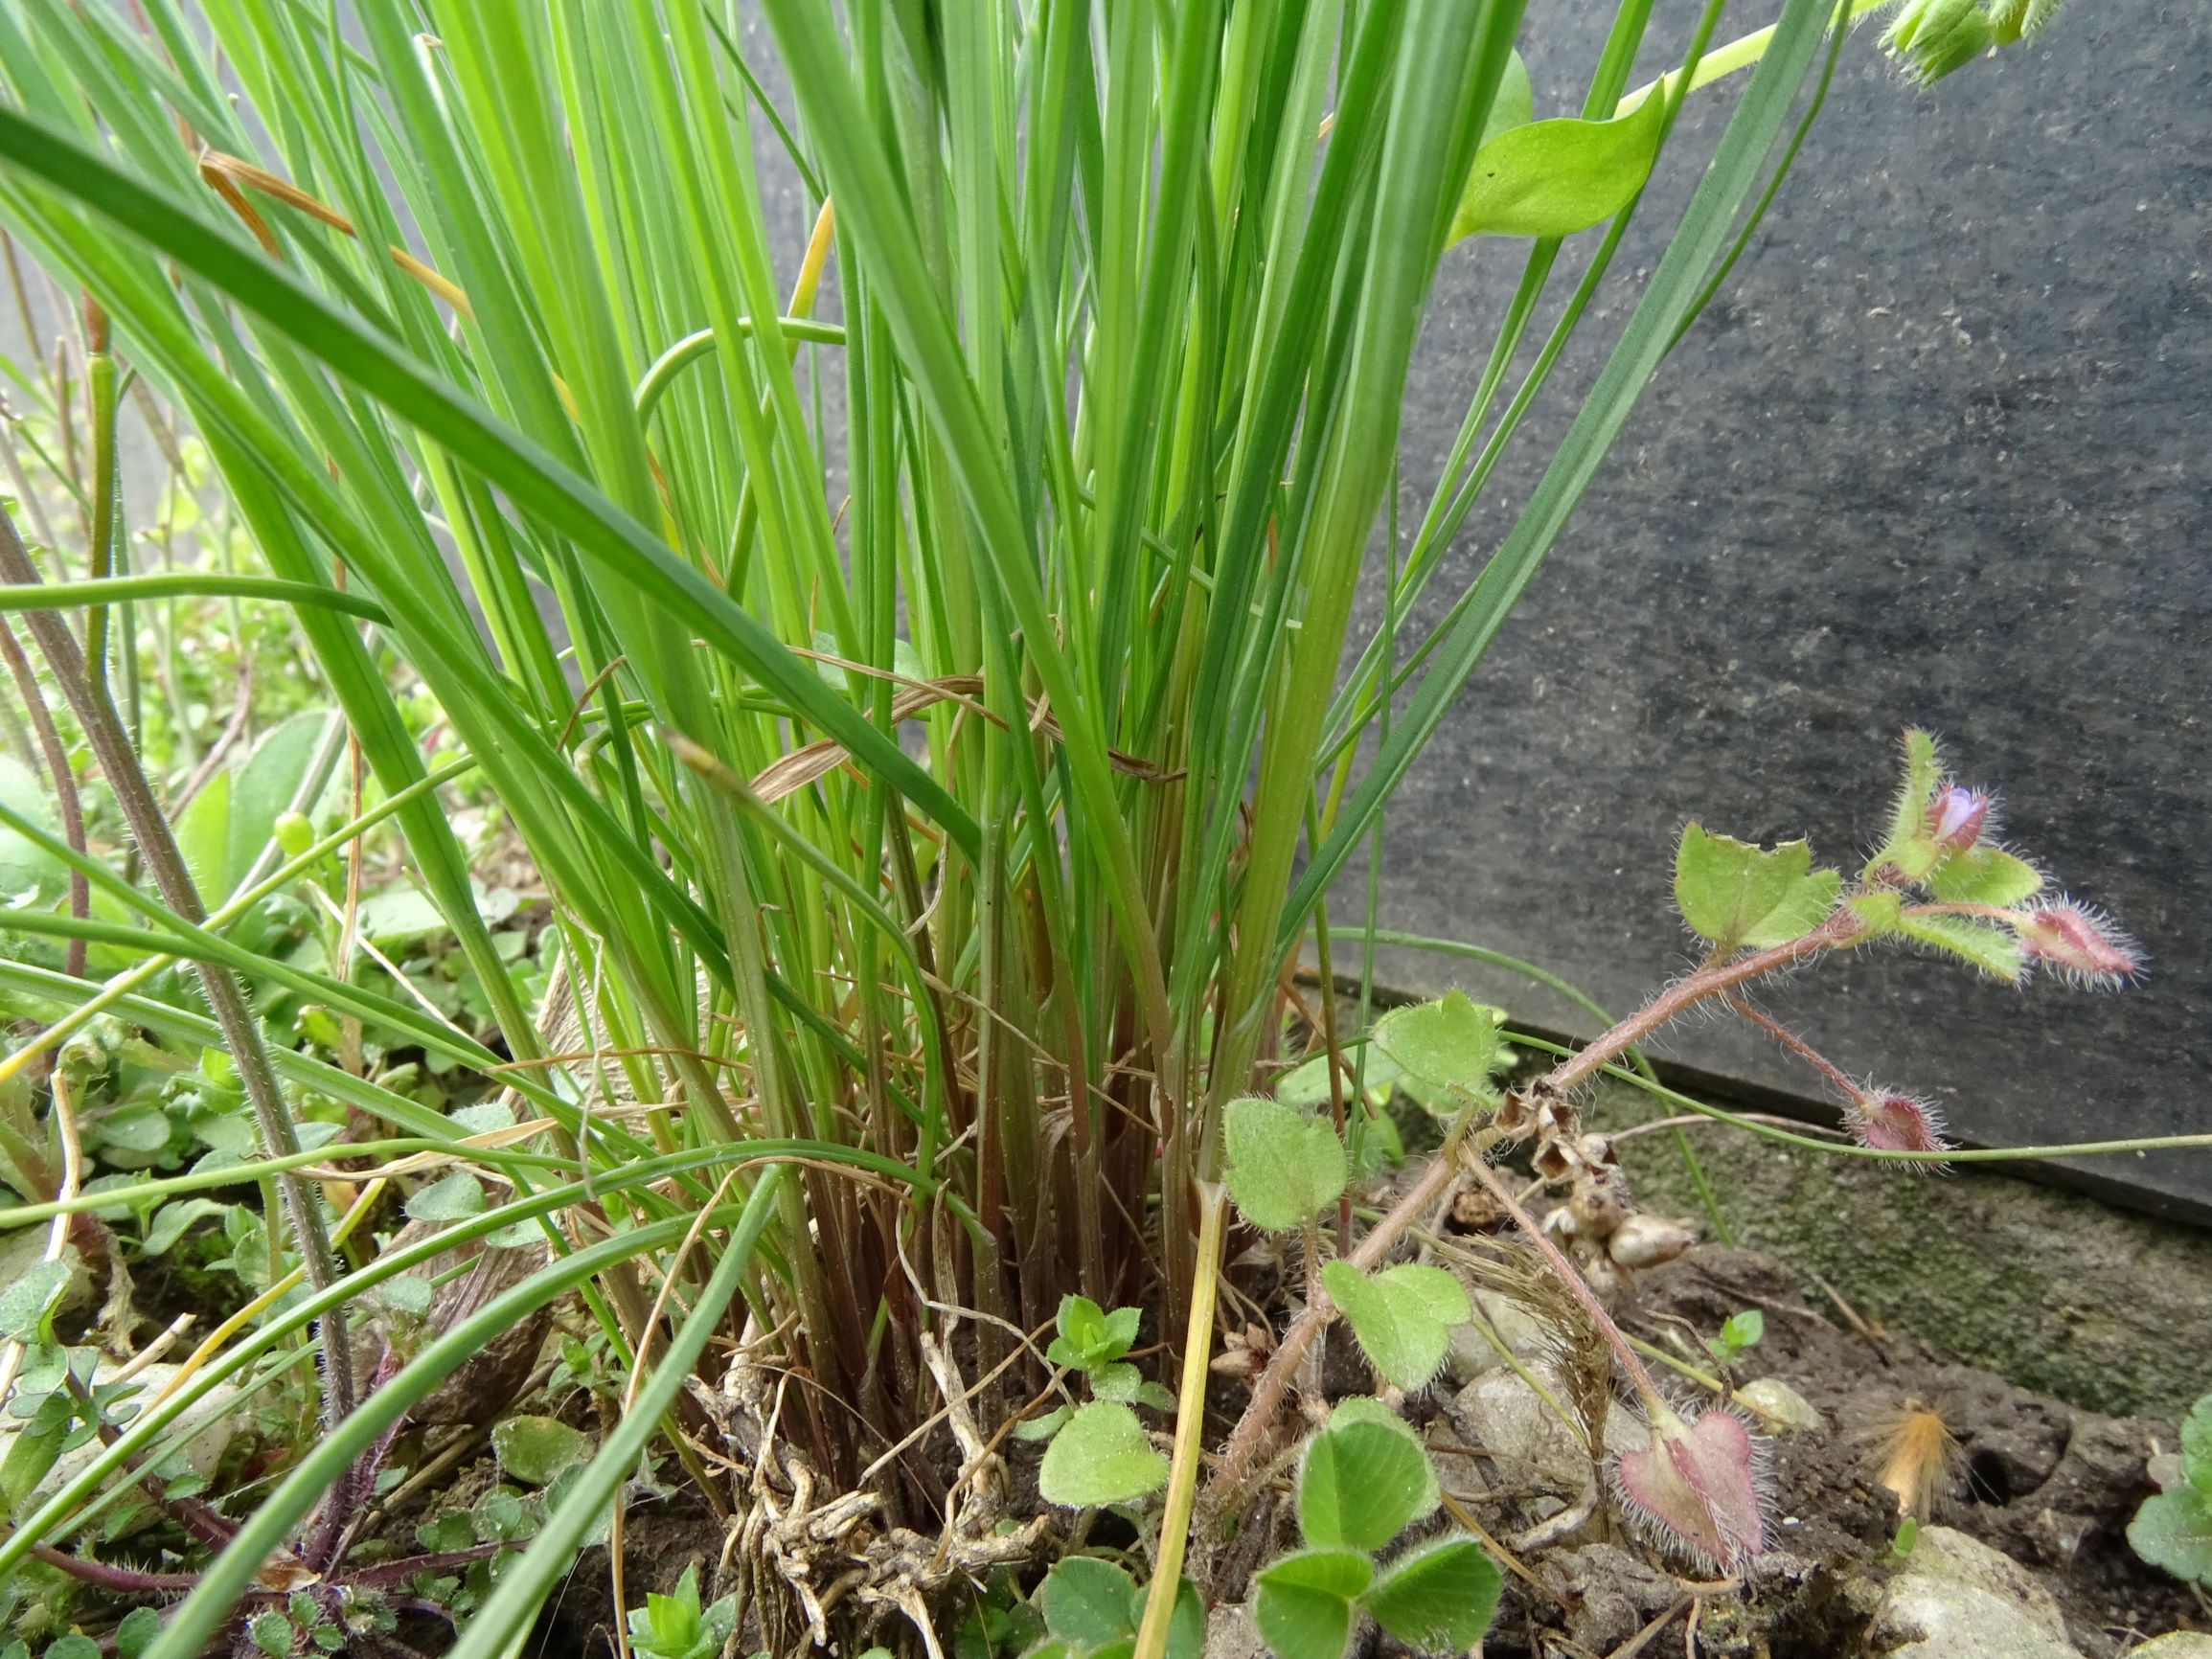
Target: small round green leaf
[2172, 1530]
[1302, 1602]
[1439, 1598]
[1362, 1483]
[1089, 1602]
[1551, 178]
[535, 1449]
[453, 1197]
[1101, 1457]
[1284, 1166]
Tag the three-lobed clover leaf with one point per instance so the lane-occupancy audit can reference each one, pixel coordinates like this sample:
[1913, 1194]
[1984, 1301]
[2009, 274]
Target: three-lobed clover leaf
[1403, 1316]
[1284, 1166]
[1100, 1456]
[1366, 1478]
[1738, 895]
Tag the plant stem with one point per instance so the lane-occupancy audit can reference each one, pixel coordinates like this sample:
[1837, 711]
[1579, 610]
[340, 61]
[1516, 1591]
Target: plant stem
[64, 781]
[1840, 928]
[1571, 1280]
[226, 999]
[1251, 1428]
[1791, 1041]
[1190, 1429]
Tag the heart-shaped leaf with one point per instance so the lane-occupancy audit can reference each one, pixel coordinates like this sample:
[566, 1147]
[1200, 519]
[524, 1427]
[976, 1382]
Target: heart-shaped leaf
[1302, 1602]
[1100, 1457]
[1736, 894]
[1284, 1166]
[1403, 1316]
[1551, 178]
[453, 1197]
[1365, 1481]
[1696, 1488]
[1439, 1598]
[1450, 1043]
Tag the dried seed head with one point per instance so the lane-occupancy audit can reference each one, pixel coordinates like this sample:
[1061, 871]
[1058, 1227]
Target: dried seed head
[1698, 1489]
[1896, 1122]
[2081, 944]
[1648, 1241]
[1916, 1457]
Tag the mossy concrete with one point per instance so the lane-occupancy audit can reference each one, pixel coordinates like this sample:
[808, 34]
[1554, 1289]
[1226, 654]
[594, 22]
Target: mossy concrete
[2056, 1291]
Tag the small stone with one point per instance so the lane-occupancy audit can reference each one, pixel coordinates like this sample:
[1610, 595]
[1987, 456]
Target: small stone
[1779, 1408]
[1231, 1635]
[2181, 1645]
[1471, 1354]
[1955, 1598]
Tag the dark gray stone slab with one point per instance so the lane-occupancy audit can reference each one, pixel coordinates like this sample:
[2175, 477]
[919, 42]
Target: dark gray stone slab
[1938, 456]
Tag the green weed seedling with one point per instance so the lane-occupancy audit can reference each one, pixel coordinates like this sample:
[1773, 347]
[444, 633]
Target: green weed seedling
[2173, 1529]
[677, 1627]
[1099, 1453]
[1365, 1479]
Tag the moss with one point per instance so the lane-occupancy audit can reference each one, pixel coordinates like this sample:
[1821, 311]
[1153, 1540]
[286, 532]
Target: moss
[2057, 1291]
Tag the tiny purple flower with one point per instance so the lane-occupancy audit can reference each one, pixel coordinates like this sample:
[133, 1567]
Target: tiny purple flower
[1955, 817]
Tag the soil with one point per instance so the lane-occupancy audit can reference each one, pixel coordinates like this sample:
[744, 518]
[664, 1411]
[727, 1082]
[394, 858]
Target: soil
[2050, 1485]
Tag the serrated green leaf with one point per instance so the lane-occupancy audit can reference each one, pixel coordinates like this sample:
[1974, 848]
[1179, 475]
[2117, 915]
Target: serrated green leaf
[1439, 1598]
[1100, 1456]
[1736, 894]
[453, 1197]
[1303, 1603]
[1551, 178]
[1089, 1602]
[1284, 1166]
[1877, 911]
[1984, 876]
[1082, 1326]
[1450, 1043]
[1991, 948]
[2173, 1532]
[1403, 1316]
[536, 1450]
[1364, 1482]
[1305, 1086]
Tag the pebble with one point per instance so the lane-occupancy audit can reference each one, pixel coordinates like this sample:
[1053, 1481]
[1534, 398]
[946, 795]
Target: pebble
[1955, 1598]
[1779, 1408]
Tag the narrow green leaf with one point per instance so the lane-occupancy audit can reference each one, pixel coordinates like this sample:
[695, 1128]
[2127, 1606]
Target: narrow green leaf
[1993, 949]
[1984, 876]
[1551, 178]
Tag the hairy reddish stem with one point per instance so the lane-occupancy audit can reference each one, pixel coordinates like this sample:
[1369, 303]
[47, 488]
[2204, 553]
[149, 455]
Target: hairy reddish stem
[1791, 1041]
